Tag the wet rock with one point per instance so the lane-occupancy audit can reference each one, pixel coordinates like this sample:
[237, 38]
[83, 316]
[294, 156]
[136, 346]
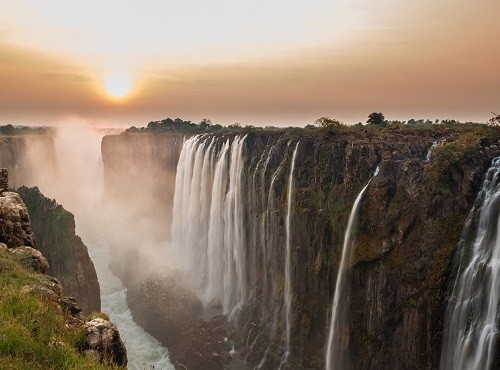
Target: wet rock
[170, 313]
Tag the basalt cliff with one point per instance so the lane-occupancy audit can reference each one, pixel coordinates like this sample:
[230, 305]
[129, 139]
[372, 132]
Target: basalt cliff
[284, 199]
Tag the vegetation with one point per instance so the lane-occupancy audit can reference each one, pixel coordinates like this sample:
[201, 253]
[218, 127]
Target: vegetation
[495, 120]
[445, 167]
[330, 124]
[10, 130]
[34, 333]
[376, 119]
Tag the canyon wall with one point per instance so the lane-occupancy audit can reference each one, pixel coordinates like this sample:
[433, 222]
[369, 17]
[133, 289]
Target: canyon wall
[68, 257]
[410, 219]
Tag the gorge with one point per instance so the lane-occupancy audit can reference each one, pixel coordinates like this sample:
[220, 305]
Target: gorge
[242, 240]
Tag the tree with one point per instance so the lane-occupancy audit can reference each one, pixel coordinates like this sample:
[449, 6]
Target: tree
[375, 119]
[326, 122]
[495, 120]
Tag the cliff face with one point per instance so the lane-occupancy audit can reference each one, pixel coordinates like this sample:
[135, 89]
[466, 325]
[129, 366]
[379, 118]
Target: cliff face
[41, 327]
[68, 257]
[409, 221]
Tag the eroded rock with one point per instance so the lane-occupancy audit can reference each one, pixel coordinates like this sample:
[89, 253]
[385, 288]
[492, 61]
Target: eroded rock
[30, 258]
[103, 340]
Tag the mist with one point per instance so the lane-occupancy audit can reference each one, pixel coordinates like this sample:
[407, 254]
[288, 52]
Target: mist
[114, 223]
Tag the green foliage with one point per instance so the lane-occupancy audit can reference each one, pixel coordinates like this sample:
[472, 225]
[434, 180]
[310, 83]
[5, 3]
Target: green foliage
[376, 119]
[10, 130]
[412, 302]
[330, 124]
[177, 125]
[34, 333]
[445, 167]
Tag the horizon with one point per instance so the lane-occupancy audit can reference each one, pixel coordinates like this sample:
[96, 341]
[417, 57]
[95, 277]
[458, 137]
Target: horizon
[280, 64]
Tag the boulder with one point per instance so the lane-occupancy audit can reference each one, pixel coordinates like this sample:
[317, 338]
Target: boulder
[103, 340]
[15, 226]
[30, 258]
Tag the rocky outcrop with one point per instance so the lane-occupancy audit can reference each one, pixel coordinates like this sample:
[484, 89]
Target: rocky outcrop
[103, 340]
[24, 267]
[30, 258]
[173, 314]
[68, 257]
[15, 226]
[409, 221]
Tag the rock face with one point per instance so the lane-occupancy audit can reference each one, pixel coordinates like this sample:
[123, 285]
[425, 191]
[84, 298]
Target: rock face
[172, 314]
[409, 221]
[15, 226]
[68, 257]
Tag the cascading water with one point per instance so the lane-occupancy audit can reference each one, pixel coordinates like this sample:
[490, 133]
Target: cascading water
[472, 327]
[334, 350]
[288, 278]
[341, 288]
[217, 198]
[207, 228]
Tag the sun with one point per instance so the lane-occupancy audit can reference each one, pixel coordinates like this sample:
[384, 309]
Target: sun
[117, 84]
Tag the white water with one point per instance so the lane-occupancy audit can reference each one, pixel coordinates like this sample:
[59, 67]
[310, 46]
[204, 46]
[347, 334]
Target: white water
[473, 314]
[143, 351]
[340, 285]
[429, 152]
[207, 229]
[288, 278]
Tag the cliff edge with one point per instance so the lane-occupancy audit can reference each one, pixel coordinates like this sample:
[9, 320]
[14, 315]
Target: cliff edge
[41, 327]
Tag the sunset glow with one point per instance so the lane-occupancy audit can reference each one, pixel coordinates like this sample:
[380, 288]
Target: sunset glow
[272, 62]
[117, 84]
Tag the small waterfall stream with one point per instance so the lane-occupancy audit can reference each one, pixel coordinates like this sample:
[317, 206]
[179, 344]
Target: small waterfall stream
[472, 327]
[334, 350]
[340, 288]
[288, 279]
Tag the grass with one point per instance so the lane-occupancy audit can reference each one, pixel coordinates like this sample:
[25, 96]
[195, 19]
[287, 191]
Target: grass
[34, 330]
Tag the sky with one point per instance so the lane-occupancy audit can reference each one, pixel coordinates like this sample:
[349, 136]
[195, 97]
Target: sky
[254, 62]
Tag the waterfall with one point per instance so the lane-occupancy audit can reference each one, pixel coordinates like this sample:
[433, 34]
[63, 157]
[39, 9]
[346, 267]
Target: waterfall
[288, 279]
[429, 152]
[208, 236]
[472, 326]
[340, 287]
[226, 226]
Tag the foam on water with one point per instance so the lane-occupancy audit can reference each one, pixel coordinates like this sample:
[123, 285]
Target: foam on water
[143, 351]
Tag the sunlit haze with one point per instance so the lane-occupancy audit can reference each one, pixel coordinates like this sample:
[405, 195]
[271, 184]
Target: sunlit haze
[261, 62]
